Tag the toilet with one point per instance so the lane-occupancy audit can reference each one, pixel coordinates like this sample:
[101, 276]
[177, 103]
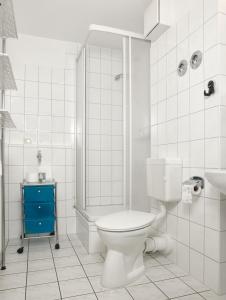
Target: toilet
[125, 234]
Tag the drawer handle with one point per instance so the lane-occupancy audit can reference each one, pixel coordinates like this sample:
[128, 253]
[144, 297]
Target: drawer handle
[39, 191]
[39, 223]
[39, 206]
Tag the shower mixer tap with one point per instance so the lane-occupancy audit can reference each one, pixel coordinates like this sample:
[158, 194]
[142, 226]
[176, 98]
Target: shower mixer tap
[39, 157]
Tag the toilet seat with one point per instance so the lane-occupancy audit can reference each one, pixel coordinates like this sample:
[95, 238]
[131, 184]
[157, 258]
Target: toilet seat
[124, 221]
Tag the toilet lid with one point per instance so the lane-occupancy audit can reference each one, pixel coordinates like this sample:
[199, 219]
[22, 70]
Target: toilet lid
[125, 221]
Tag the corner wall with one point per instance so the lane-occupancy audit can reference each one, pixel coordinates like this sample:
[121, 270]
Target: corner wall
[43, 109]
[184, 124]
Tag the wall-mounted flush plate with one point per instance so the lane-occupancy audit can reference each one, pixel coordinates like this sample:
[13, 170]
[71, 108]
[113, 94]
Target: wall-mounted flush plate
[182, 68]
[196, 59]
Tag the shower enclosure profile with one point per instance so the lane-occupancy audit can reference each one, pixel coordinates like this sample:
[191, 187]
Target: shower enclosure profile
[112, 116]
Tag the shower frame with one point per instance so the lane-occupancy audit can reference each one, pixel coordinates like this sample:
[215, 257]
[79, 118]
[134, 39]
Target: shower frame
[127, 37]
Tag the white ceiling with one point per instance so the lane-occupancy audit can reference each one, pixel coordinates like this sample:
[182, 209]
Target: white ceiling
[69, 19]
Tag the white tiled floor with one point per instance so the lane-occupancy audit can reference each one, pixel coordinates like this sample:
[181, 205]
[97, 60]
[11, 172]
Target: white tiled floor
[44, 273]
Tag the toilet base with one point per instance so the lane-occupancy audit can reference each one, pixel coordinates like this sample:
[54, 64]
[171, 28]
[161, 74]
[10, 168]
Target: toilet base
[116, 273]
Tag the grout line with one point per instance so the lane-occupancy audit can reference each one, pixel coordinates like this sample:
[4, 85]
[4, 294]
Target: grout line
[82, 267]
[55, 270]
[27, 269]
[126, 288]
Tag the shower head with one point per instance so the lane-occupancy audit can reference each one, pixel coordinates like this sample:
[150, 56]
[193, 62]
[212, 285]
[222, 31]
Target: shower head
[7, 20]
[118, 76]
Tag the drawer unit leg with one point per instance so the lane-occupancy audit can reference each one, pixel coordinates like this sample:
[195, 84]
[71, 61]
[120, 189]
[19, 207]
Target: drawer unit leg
[57, 245]
[21, 249]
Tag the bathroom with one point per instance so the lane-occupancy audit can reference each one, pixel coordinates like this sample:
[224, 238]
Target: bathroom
[112, 149]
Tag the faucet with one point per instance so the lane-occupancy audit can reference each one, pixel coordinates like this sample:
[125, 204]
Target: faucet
[39, 156]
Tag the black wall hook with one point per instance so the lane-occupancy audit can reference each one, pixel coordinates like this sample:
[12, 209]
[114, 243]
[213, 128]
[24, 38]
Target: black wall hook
[211, 88]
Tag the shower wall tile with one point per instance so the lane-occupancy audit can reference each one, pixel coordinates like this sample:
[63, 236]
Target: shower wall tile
[43, 110]
[105, 127]
[187, 125]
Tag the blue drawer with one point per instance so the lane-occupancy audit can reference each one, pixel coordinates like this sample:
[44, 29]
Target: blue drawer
[38, 193]
[39, 226]
[38, 210]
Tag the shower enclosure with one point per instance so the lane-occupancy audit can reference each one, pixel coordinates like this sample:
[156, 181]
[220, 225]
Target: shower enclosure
[112, 116]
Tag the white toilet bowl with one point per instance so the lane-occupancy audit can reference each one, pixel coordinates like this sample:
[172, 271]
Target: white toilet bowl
[124, 235]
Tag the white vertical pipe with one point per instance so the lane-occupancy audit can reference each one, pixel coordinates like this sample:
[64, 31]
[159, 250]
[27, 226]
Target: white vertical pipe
[124, 100]
[130, 125]
[3, 267]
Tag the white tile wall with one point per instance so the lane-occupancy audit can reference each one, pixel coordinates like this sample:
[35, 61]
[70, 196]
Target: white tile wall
[185, 124]
[43, 109]
[104, 127]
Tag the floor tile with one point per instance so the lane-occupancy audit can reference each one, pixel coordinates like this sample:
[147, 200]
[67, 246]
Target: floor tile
[14, 257]
[13, 249]
[146, 292]
[212, 296]
[72, 236]
[39, 243]
[41, 264]
[75, 287]
[39, 277]
[96, 284]
[161, 258]
[14, 294]
[121, 294]
[14, 268]
[12, 281]
[84, 297]
[62, 237]
[61, 262]
[195, 284]
[150, 261]
[177, 271]
[16, 242]
[174, 288]
[49, 291]
[63, 252]
[142, 280]
[39, 254]
[90, 258]
[190, 297]
[76, 242]
[158, 273]
[63, 244]
[94, 269]
[79, 249]
[73, 272]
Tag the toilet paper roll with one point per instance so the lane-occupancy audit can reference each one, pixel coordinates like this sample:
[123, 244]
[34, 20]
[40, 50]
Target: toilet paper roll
[196, 191]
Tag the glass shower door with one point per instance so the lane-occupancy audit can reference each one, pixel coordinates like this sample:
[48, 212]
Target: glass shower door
[81, 131]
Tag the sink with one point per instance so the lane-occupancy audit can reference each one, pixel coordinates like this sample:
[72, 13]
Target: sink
[218, 179]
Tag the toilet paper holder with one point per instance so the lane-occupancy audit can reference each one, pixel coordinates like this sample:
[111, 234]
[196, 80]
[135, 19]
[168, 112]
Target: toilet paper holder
[196, 181]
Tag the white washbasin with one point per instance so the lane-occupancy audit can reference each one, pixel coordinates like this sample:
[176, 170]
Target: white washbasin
[218, 179]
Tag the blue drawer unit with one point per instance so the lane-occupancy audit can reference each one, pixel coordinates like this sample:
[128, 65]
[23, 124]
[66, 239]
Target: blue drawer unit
[38, 210]
[38, 193]
[39, 225]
